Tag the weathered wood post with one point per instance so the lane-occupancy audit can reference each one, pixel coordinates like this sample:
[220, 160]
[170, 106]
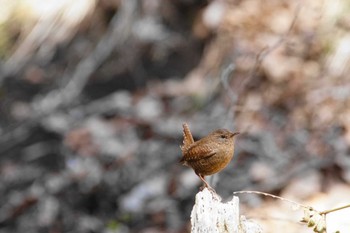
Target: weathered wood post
[210, 214]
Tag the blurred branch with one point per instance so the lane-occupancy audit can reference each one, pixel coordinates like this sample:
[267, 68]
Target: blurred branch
[118, 33]
[267, 50]
[53, 26]
[234, 96]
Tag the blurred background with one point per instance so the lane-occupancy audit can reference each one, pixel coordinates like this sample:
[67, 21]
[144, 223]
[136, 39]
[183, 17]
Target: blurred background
[93, 94]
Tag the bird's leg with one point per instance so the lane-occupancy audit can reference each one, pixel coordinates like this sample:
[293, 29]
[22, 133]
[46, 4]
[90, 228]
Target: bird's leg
[206, 184]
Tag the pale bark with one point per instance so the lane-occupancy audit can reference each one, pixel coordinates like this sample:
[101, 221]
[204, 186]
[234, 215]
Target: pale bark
[210, 214]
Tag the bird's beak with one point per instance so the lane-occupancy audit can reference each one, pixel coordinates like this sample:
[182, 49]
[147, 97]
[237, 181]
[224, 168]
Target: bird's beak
[235, 133]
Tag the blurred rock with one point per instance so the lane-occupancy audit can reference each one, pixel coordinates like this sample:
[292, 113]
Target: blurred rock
[56, 183]
[21, 110]
[137, 198]
[148, 108]
[122, 101]
[48, 209]
[80, 140]
[213, 14]
[87, 171]
[89, 224]
[261, 172]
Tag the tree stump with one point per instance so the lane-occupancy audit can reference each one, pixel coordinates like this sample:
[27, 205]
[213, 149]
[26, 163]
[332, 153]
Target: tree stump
[210, 214]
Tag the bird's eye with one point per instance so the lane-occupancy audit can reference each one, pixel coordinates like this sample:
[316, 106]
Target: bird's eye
[222, 136]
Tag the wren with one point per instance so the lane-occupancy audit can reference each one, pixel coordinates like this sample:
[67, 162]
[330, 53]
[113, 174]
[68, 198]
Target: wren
[208, 155]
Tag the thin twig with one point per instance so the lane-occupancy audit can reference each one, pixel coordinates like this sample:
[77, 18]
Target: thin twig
[224, 80]
[273, 196]
[335, 209]
[267, 50]
[258, 60]
[232, 95]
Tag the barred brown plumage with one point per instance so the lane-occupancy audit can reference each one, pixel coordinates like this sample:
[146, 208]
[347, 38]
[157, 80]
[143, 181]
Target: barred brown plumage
[208, 155]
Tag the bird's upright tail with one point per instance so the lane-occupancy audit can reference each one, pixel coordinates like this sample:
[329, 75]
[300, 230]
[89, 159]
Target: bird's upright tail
[188, 139]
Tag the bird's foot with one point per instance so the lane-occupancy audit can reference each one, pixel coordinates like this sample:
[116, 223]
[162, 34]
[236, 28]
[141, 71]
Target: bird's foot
[208, 187]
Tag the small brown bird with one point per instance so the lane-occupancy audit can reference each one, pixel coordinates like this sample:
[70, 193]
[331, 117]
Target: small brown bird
[208, 155]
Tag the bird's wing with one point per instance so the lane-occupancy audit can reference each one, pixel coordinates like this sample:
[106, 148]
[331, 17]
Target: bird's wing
[195, 153]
